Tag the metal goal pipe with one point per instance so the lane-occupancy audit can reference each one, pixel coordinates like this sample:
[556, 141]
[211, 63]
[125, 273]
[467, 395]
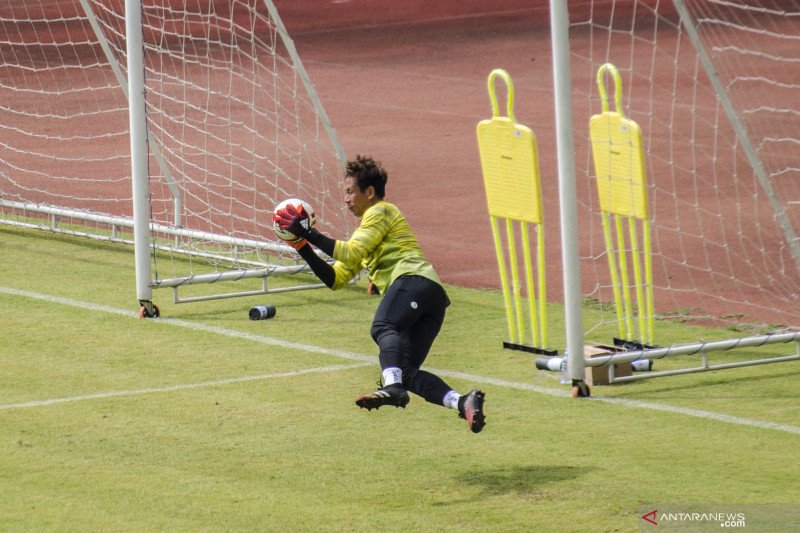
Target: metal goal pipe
[554, 363]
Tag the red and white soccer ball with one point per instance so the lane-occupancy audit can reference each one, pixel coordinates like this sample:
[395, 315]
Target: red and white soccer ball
[296, 202]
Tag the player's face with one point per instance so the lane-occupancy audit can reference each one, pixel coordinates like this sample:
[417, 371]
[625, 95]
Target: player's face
[357, 201]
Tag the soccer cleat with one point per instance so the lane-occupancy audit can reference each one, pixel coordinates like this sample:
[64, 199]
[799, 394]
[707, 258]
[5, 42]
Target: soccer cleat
[470, 408]
[393, 394]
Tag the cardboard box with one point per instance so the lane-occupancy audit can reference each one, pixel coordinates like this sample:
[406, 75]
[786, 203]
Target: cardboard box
[600, 375]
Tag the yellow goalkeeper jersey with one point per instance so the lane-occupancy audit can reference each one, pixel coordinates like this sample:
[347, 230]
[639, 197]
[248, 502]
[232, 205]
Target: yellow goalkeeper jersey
[384, 244]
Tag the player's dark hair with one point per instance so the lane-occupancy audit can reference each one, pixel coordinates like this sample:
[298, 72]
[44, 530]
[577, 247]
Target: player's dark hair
[366, 172]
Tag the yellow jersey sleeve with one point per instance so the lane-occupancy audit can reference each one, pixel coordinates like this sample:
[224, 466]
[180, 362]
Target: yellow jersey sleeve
[384, 244]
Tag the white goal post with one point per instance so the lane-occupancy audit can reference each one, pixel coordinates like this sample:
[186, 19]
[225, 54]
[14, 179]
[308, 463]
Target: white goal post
[714, 86]
[174, 126]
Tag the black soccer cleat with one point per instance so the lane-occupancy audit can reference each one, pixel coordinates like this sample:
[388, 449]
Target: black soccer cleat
[393, 394]
[470, 408]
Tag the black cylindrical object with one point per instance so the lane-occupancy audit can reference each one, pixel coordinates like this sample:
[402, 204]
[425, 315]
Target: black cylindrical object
[261, 312]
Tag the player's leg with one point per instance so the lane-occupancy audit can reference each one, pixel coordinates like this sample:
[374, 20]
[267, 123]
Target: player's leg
[406, 323]
[405, 301]
[417, 342]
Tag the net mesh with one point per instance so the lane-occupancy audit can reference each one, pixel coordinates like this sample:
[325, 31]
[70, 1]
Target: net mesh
[232, 128]
[724, 232]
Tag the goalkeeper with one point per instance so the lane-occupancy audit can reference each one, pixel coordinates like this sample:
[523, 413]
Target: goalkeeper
[412, 310]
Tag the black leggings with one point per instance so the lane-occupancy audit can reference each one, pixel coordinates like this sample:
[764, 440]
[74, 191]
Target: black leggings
[406, 323]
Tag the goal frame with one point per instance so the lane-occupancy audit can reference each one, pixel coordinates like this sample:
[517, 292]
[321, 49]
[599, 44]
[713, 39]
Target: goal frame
[573, 362]
[140, 178]
[147, 236]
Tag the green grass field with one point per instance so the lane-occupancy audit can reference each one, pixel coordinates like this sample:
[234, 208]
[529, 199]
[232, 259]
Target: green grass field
[206, 421]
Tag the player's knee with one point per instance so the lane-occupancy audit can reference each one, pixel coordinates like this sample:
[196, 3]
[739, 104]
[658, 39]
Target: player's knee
[381, 328]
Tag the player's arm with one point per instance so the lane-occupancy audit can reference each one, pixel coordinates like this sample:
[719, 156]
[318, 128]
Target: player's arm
[319, 266]
[347, 265]
[333, 276]
[374, 226]
[323, 242]
[296, 222]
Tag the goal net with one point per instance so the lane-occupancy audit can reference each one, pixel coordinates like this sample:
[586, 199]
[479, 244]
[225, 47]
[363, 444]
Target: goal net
[714, 86]
[233, 127]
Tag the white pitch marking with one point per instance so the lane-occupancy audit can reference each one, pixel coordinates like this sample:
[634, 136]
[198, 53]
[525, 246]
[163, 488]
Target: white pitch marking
[559, 393]
[190, 325]
[184, 386]
[364, 360]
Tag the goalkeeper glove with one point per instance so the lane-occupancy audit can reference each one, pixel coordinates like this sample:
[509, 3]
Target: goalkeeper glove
[293, 220]
[296, 222]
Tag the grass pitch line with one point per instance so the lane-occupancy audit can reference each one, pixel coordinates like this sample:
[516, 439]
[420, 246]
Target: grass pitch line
[343, 354]
[638, 404]
[700, 414]
[179, 387]
[363, 360]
